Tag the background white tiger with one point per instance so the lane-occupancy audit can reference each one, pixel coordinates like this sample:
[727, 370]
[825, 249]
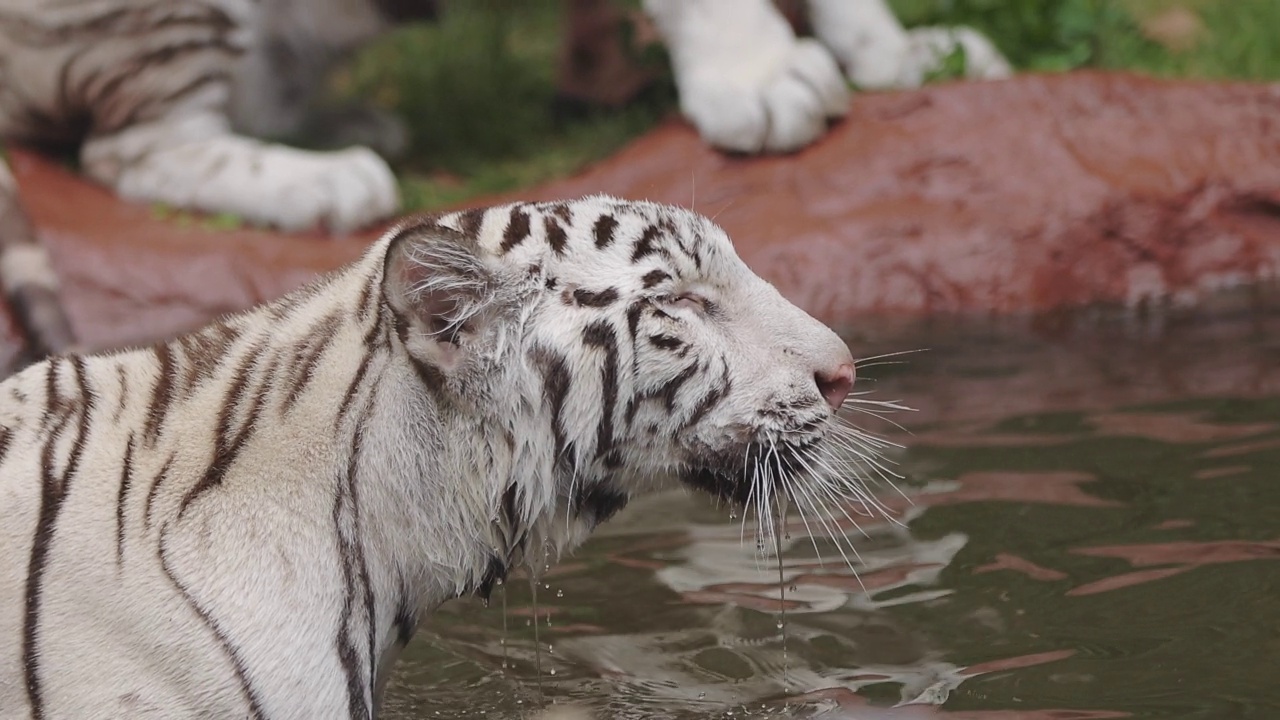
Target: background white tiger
[151, 92]
[248, 520]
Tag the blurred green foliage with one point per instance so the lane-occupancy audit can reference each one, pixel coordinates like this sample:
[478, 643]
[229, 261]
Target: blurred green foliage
[1237, 38]
[478, 92]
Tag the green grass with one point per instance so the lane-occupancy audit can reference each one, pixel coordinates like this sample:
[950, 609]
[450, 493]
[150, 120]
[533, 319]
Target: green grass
[477, 87]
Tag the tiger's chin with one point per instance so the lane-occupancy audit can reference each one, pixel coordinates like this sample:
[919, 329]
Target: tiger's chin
[749, 473]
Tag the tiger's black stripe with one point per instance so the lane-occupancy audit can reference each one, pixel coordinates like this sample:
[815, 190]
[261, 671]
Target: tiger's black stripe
[557, 238]
[600, 335]
[6, 439]
[711, 399]
[555, 388]
[513, 522]
[600, 502]
[51, 497]
[151, 61]
[237, 663]
[634, 311]
[667, 392]
[126, 479]
[405, 621]
[160, 477]
[517, 230]
[161, 395]
[603, 231]
[666, 342]
[647, 244]
[123, 395]
[561, 209]
[365, 305]
[121, 22]
[654, 277]
[308, 355]
[203, 353]
[350, 395]
[354, 569]
[470, 221]
[53, 493]
[227, 445]
[601, 299]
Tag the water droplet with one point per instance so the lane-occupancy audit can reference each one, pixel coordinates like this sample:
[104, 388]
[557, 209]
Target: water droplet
[528, 622]
[546, 586]
[551, 650]
[779, 626]
[733, 516]
[702, 695]
[559, 593]
[553, 671]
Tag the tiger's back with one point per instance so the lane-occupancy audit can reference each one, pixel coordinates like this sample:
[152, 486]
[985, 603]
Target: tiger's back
[106, 468]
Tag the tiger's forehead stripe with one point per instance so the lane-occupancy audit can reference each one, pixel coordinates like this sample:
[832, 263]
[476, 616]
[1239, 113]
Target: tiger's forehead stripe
[630, 233]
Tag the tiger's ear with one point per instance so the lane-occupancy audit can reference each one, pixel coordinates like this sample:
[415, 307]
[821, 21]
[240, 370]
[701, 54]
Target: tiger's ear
[441, 293]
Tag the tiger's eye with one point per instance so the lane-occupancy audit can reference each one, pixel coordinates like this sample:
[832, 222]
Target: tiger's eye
[691, 301]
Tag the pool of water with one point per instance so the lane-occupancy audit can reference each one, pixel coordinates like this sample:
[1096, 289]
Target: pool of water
[1088, 527]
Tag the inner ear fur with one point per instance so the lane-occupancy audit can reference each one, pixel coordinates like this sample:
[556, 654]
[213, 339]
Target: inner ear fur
[440, 289]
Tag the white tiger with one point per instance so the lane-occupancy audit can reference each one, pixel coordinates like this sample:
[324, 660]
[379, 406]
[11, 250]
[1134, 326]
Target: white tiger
[152, 93]
[247, 521]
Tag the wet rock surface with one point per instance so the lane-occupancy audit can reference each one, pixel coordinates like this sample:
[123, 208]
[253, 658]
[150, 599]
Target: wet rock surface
[1017, 196]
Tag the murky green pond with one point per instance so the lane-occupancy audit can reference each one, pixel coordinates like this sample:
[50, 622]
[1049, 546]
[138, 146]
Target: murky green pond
[1090, 528]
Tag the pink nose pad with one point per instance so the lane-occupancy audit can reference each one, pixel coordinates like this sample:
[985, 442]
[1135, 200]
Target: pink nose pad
[835, 386]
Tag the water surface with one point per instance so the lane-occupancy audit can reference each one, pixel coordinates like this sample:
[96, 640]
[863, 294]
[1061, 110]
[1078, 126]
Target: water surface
[1089, 528]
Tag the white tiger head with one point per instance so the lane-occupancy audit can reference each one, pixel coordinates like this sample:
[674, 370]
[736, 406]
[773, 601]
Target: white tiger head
[622, 346]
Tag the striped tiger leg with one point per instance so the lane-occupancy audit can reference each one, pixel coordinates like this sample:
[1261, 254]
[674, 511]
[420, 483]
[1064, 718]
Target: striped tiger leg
[28, 279]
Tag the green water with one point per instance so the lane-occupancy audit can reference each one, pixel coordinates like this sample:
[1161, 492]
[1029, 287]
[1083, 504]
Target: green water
[1091, 529]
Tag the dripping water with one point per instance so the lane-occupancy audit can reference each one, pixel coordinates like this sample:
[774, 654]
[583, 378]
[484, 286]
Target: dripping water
[782, 586]
[505, 662]
[534, 579]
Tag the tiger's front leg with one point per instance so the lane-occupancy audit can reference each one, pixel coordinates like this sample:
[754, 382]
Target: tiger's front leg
[745, 80]
[194, 161]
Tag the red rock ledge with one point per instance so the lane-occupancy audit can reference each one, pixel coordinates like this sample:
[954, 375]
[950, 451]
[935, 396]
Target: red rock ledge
[1016, 196]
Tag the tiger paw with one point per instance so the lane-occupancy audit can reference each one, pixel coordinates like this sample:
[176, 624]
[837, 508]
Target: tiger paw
[263, 183]
[928, 50]
[745, 81]
[878, 53]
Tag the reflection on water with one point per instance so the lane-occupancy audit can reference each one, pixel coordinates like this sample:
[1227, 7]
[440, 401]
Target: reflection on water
[1089, 528]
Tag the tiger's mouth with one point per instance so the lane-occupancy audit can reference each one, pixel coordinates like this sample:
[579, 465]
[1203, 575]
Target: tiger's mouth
[735, 477]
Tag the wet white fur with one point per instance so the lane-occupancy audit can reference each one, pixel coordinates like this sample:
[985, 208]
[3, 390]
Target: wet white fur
[260, 554]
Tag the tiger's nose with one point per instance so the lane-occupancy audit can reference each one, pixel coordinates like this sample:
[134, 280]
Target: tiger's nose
[835, 385]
